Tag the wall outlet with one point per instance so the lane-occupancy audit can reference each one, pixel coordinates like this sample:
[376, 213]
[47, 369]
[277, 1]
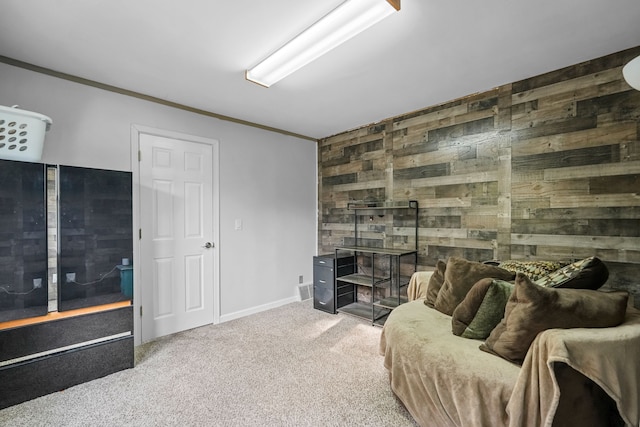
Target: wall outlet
[71, 277]
[300, 279]
[37, 283]
[54, 278]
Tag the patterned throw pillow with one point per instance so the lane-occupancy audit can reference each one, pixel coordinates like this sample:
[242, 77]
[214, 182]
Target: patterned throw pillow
[589, 273]
[533, 269]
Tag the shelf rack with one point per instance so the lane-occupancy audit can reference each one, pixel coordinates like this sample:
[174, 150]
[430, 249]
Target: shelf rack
[387, 284]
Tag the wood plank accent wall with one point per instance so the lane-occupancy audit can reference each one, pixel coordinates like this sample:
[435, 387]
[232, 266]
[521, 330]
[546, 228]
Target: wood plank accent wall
[543, 168]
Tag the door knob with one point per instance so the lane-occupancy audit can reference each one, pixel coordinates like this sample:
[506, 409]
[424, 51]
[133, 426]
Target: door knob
[208, 245]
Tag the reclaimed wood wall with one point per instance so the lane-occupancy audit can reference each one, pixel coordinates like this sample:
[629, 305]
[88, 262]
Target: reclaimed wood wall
[543, 168]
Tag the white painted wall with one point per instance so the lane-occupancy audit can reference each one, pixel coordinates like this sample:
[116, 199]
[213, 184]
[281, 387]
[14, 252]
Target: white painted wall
[267, 180]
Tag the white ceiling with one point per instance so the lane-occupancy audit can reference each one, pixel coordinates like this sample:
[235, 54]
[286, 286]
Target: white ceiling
[194, 52]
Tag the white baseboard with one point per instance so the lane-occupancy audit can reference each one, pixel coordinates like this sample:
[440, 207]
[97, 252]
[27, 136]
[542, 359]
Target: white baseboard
[258, 309]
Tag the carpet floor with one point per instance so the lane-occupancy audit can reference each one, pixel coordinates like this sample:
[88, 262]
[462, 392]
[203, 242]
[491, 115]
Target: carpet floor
[289, 366]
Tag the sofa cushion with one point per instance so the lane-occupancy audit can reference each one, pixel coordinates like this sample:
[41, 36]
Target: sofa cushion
[435, 283]
[482, 308]
[532, 309]
[533, 269]
[589, 273]
[459, 276]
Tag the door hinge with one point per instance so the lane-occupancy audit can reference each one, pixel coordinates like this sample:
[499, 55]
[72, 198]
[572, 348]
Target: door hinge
[139, 155]
[140, 311]
[140, 233]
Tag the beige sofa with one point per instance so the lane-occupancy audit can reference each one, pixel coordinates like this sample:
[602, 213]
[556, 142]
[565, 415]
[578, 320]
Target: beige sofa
[577, 376]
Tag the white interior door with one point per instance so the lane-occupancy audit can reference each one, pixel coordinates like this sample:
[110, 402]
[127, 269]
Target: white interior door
[176, 245]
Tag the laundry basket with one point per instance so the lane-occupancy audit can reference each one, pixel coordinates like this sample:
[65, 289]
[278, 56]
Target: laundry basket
[22, 134]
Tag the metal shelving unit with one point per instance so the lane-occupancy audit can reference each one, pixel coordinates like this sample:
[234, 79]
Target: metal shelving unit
[384, 280]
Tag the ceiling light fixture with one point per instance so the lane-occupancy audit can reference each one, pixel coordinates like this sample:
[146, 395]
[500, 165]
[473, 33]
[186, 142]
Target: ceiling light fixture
[631, 73]
[342, 23]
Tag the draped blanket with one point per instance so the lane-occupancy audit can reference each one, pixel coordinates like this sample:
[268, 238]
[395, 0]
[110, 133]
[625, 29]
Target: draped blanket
[442, 379]
[445, 380]
[418, 285]
[608, 356]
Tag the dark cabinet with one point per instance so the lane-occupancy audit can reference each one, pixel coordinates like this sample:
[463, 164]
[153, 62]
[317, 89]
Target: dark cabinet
[50, 356]
[326, 295]
[92, 335]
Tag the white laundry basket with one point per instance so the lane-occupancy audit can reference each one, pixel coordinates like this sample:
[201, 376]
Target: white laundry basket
[22, 134]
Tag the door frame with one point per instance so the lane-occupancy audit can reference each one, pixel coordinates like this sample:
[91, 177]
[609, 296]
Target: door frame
[136, 131]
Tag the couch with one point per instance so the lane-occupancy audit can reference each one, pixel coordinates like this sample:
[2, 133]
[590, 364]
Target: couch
[567, 375]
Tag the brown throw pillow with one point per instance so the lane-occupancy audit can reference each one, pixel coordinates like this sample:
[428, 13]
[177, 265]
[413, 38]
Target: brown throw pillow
[533, 309]
[460, 275]
[435, 283]
[482, 309]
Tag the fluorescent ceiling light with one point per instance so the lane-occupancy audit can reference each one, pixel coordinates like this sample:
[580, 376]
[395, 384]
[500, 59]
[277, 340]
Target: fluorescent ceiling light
[342, 23]
[631, 73]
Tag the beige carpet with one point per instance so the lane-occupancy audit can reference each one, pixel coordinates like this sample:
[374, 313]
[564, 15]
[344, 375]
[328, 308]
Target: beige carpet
[290, 366]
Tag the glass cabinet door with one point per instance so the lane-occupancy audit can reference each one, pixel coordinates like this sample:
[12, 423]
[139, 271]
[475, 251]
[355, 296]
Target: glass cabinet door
[23, 240]
[95, 237]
